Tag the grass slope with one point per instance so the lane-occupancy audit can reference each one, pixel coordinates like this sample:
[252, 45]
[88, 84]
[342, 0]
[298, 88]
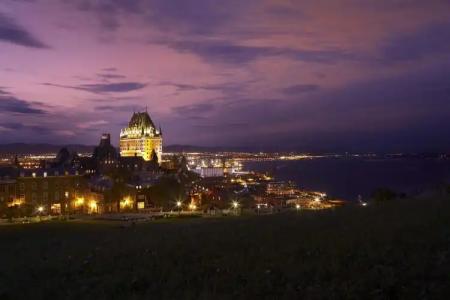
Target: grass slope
[396, 250]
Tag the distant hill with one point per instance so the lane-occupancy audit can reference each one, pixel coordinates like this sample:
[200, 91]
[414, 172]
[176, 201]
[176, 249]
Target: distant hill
[23, 148]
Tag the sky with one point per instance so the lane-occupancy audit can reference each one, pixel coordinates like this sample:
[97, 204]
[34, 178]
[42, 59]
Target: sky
[312, 75]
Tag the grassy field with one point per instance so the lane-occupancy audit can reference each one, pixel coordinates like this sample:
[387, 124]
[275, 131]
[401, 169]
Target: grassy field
[389, 251]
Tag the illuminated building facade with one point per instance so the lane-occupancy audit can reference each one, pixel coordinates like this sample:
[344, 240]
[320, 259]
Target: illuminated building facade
[141, 138]
[51, 189]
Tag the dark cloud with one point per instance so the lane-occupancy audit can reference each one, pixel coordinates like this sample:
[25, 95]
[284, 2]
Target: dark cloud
[229, 52]
[17, 127]
[108, 11]
[409, 112]
[195, 109]
[194, 16]
[108, 76]
[184, 87]
[299, 89]
[119, 108]
[11, 125]
[426, 42]
[99, 88]
[284, 11]
[222, 126]
[10, 104]
[12, 32]
[113, 87]
[3, 92]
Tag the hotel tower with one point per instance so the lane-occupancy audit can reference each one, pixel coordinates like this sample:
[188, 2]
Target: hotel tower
[141, 138]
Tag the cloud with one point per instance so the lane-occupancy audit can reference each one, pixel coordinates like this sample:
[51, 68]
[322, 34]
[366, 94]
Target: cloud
[90, 124]
[107, 76]
[426, 42]
[10, 104]
[99, 88]
[299, 89]
[111, 69]
[184, 87]
[3, 92]
[12, 32]
[197, 16]
[7, 126]
[194, 109]
[228, 52]
[14, 126]
[119, 108]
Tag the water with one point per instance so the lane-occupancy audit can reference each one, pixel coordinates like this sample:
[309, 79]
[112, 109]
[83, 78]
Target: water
[348, 178]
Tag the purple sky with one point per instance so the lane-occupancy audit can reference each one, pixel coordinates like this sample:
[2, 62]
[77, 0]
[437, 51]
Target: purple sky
[337, 75]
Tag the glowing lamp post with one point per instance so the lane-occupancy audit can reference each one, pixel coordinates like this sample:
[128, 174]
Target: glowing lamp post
[40, 210]
[235, 206]
[192, 206]
[179, 206]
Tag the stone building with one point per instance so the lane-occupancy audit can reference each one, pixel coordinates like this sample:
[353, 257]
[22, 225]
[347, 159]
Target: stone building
[141, 138]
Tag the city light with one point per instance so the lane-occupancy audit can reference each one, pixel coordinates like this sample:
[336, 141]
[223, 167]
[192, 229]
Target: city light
[126, 203]
[192, 206]
[297, 206]
[235, 204]
[40, 209]
[93, 205]
[178, 203]
[79, 201]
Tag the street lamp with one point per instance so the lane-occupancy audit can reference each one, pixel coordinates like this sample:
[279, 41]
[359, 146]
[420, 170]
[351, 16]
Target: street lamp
[179, 206]
[40, 209]
[297, 207]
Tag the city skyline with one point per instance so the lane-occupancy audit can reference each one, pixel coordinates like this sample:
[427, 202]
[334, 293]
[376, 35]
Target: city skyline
[309, 75]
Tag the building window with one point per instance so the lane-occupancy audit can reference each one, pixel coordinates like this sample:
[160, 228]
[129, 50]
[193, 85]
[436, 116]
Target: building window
[45, 185]
[34, 185]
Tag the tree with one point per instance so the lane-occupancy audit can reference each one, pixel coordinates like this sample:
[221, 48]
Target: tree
[154, 158]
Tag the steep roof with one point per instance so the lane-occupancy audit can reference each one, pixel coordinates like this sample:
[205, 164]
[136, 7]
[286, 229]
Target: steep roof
[141, 120]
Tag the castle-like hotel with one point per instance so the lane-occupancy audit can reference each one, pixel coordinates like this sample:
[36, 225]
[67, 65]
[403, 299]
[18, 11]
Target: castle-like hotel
[141, 138]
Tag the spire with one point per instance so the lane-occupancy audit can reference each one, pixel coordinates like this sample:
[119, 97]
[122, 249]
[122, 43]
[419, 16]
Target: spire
[160, 131]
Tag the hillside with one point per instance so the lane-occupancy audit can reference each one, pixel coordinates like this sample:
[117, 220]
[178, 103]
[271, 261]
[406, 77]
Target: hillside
[390, 251]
